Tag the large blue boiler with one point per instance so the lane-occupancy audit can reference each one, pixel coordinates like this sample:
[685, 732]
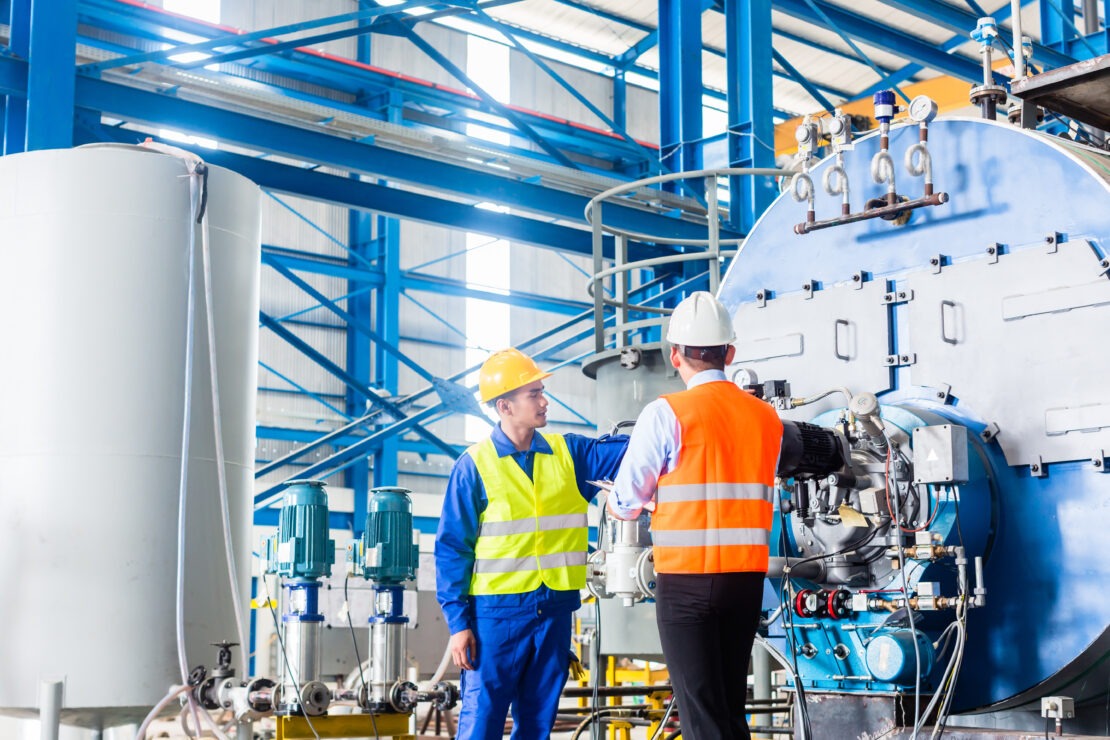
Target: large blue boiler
[958, 352]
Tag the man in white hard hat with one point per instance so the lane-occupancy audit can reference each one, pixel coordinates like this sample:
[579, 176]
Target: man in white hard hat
[705, 458]
[511, 553]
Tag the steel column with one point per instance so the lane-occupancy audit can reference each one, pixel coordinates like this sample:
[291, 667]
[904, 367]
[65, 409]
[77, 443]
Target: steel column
[751, 130]
[19, 42]
[680, 87]
[51, 79]
[388, 301]
[360, 240]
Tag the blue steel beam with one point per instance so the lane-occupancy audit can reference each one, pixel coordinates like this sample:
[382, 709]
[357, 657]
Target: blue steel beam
[958, 20]
[240, 39]
[254, 132]
[355, 324]
[359, 80]
[496, 105]
[751, 133]
[886, 38]
[15, 84]
[801, 80]
[951, 44]
[508, 33]
[680, 87]
[387, 355]
[396, 202]
[50, 79]
[414, 281]
[446, 286]
[375, 400]
[276, 47]
[330, 464]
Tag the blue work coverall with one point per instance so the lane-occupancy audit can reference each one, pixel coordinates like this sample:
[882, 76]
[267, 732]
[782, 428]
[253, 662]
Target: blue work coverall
[523, 639]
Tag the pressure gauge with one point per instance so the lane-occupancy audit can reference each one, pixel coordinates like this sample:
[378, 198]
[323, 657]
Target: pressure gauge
[923, 109]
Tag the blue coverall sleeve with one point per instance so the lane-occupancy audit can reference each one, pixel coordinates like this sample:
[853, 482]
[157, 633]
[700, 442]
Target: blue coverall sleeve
[455, 540]
[595, 459]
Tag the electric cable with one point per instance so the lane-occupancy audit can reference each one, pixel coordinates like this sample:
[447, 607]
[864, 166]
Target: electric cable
[358, 658]
[595, 670]
[788, 627]
[892, 476]
[288, 669]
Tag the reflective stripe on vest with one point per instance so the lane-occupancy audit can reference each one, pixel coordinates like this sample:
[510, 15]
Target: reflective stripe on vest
[713, 511]
[532, 532]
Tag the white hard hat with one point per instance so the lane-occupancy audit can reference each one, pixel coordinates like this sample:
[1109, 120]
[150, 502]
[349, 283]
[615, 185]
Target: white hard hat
[700, 321]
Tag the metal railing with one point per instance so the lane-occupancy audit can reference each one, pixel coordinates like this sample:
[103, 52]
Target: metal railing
[710, 252]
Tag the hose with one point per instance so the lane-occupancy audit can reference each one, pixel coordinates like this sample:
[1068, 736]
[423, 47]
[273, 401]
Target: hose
[186, 429]
[174, 692]
[443, 663]
[221, 472]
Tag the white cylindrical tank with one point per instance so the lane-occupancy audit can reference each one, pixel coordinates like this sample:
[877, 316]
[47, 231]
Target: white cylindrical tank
[94, 246]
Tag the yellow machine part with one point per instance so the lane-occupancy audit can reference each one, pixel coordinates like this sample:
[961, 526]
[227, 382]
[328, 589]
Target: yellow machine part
[344, 725]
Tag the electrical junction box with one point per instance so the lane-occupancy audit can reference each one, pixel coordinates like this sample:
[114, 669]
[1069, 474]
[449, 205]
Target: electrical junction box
[940, 454]
[1058, 707]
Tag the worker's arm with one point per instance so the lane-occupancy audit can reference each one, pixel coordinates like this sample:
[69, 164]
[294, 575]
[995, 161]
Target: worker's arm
[595, 459]
[456, 537]
[652, 451]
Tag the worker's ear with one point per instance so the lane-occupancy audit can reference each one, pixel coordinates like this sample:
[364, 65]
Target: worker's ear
[675, 356]
[730, 354]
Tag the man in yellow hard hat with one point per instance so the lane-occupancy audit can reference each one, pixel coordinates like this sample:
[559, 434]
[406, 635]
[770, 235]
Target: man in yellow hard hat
[511, 553]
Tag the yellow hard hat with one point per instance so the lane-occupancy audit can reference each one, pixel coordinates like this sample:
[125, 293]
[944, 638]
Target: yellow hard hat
[507, 370]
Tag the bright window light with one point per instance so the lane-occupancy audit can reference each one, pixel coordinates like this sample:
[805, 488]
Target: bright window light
[203, 10]
[170, 135]
[487, 260]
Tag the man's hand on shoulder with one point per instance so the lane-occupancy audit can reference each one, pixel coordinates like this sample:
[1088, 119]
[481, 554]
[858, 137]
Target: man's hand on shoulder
[464, 649]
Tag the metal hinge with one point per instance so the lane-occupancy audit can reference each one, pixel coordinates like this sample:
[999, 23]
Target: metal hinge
[905, 358]
[898, 296]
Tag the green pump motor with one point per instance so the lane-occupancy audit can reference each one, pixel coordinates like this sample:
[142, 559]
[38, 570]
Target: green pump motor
[386, 554]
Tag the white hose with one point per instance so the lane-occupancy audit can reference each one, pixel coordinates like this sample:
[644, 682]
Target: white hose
[174, 692]
[438, 676]
[920, 166]
[882, 170]
[183, 481]
[221, 472]
[801, 188]
[839, 185]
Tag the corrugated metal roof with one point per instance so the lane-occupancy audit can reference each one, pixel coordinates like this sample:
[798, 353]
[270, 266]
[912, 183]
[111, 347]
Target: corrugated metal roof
[820, 53]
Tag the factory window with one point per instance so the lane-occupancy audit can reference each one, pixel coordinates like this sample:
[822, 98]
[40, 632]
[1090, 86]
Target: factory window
[205, 10]
[487, 259]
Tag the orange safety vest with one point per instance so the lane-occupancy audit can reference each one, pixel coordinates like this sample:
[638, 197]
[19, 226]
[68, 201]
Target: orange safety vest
[713, 511]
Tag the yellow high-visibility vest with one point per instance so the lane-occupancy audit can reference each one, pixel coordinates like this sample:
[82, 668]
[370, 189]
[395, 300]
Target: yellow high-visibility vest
[532, 532]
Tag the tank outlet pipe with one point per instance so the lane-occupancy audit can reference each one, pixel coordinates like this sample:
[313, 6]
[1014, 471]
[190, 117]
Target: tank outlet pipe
[988, 95]
[1019, 39]
[50, 709]
[980, 591]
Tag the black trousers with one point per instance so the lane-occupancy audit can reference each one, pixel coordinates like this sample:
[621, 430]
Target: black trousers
[707, 624]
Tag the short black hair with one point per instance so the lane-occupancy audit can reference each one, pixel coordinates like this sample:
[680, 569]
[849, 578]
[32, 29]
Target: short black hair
[705, 358]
